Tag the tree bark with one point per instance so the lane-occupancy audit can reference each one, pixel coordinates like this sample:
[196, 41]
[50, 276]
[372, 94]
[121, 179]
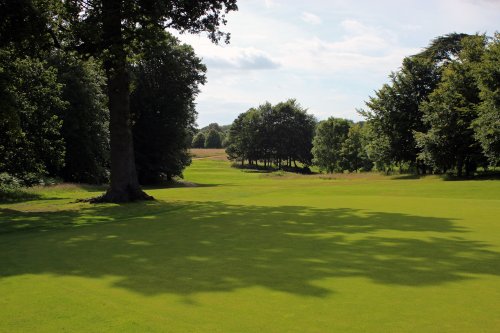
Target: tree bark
[124, 185]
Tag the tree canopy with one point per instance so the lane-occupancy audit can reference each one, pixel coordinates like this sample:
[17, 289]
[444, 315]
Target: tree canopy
[280, 135]
[166, 81]
[327, 145]
[439, 112]
[115, 32]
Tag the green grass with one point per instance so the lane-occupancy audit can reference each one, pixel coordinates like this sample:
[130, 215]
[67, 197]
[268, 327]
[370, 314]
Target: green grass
[256, 252]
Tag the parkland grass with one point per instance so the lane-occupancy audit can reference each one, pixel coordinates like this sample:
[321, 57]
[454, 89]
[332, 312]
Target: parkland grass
[247, 251]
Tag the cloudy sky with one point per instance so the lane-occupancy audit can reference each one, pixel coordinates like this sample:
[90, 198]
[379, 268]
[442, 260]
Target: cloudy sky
[330, 55]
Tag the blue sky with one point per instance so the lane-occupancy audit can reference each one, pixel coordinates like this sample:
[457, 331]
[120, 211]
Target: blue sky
[329, 55]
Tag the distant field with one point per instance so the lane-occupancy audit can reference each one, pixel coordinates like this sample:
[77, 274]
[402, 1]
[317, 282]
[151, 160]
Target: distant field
[211, 153]
[246, 251]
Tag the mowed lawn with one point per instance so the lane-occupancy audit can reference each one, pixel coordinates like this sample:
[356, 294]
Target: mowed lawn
[240, 251]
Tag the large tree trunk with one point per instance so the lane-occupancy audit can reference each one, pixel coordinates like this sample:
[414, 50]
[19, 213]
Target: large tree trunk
[124, 185]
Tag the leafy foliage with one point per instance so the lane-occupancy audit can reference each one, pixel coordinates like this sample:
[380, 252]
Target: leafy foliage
[213, 139]
[353, 152]
[327, 144]
[487, 124]
[279, 135]
[166, 80]
[449, 143]
[395, 111]
[116, 32]
[198, 140]
[85, 120]
[31, 145]
[440, 110]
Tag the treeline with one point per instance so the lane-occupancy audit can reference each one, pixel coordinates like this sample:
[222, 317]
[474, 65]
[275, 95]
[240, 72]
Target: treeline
[439, 113]
[283, 135]
[54, 119]
[211, 136]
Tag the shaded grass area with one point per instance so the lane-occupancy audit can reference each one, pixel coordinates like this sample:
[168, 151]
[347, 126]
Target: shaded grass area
[213, 246]
[16, 195]
[481, 175]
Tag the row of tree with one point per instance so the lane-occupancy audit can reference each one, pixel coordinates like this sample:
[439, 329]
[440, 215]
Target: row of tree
[441, 110]
[278, 135]
[55, 119]
[283, 135]
[439, 113]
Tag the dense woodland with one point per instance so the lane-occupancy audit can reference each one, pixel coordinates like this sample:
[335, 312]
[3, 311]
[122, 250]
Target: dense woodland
[439, 113]
[97, 91]
[56, 119]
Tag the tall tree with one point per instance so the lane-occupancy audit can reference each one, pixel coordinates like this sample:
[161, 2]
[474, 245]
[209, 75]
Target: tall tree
[449, 143]
[116, 31]
[123, 24]
[213, 139]
[395, 111]
[198, 140]
[293, 131]
[487, 124]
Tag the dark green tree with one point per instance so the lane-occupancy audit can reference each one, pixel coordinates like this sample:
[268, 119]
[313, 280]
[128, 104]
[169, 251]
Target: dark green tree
[395, 111]
[166, 80]
[452, 107]
[250, 140]
[115, 31]
[222, 130]
[198, 141]
[292, 131]
[237, 145]
[31, 144]
[213, 139]
[487, 124]
[85, 120]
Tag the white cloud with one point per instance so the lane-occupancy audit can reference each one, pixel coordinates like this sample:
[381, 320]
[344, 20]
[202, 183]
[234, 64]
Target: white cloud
[355, 27]
[241, 58]
[361, 48]
[332, 68]
[269, 3]
[412, 27]
[310, 18]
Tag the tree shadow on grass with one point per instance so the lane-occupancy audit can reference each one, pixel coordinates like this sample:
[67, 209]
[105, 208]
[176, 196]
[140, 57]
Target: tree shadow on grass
[17, 195]
[488, 175]
[155, 247]
[408, 176]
